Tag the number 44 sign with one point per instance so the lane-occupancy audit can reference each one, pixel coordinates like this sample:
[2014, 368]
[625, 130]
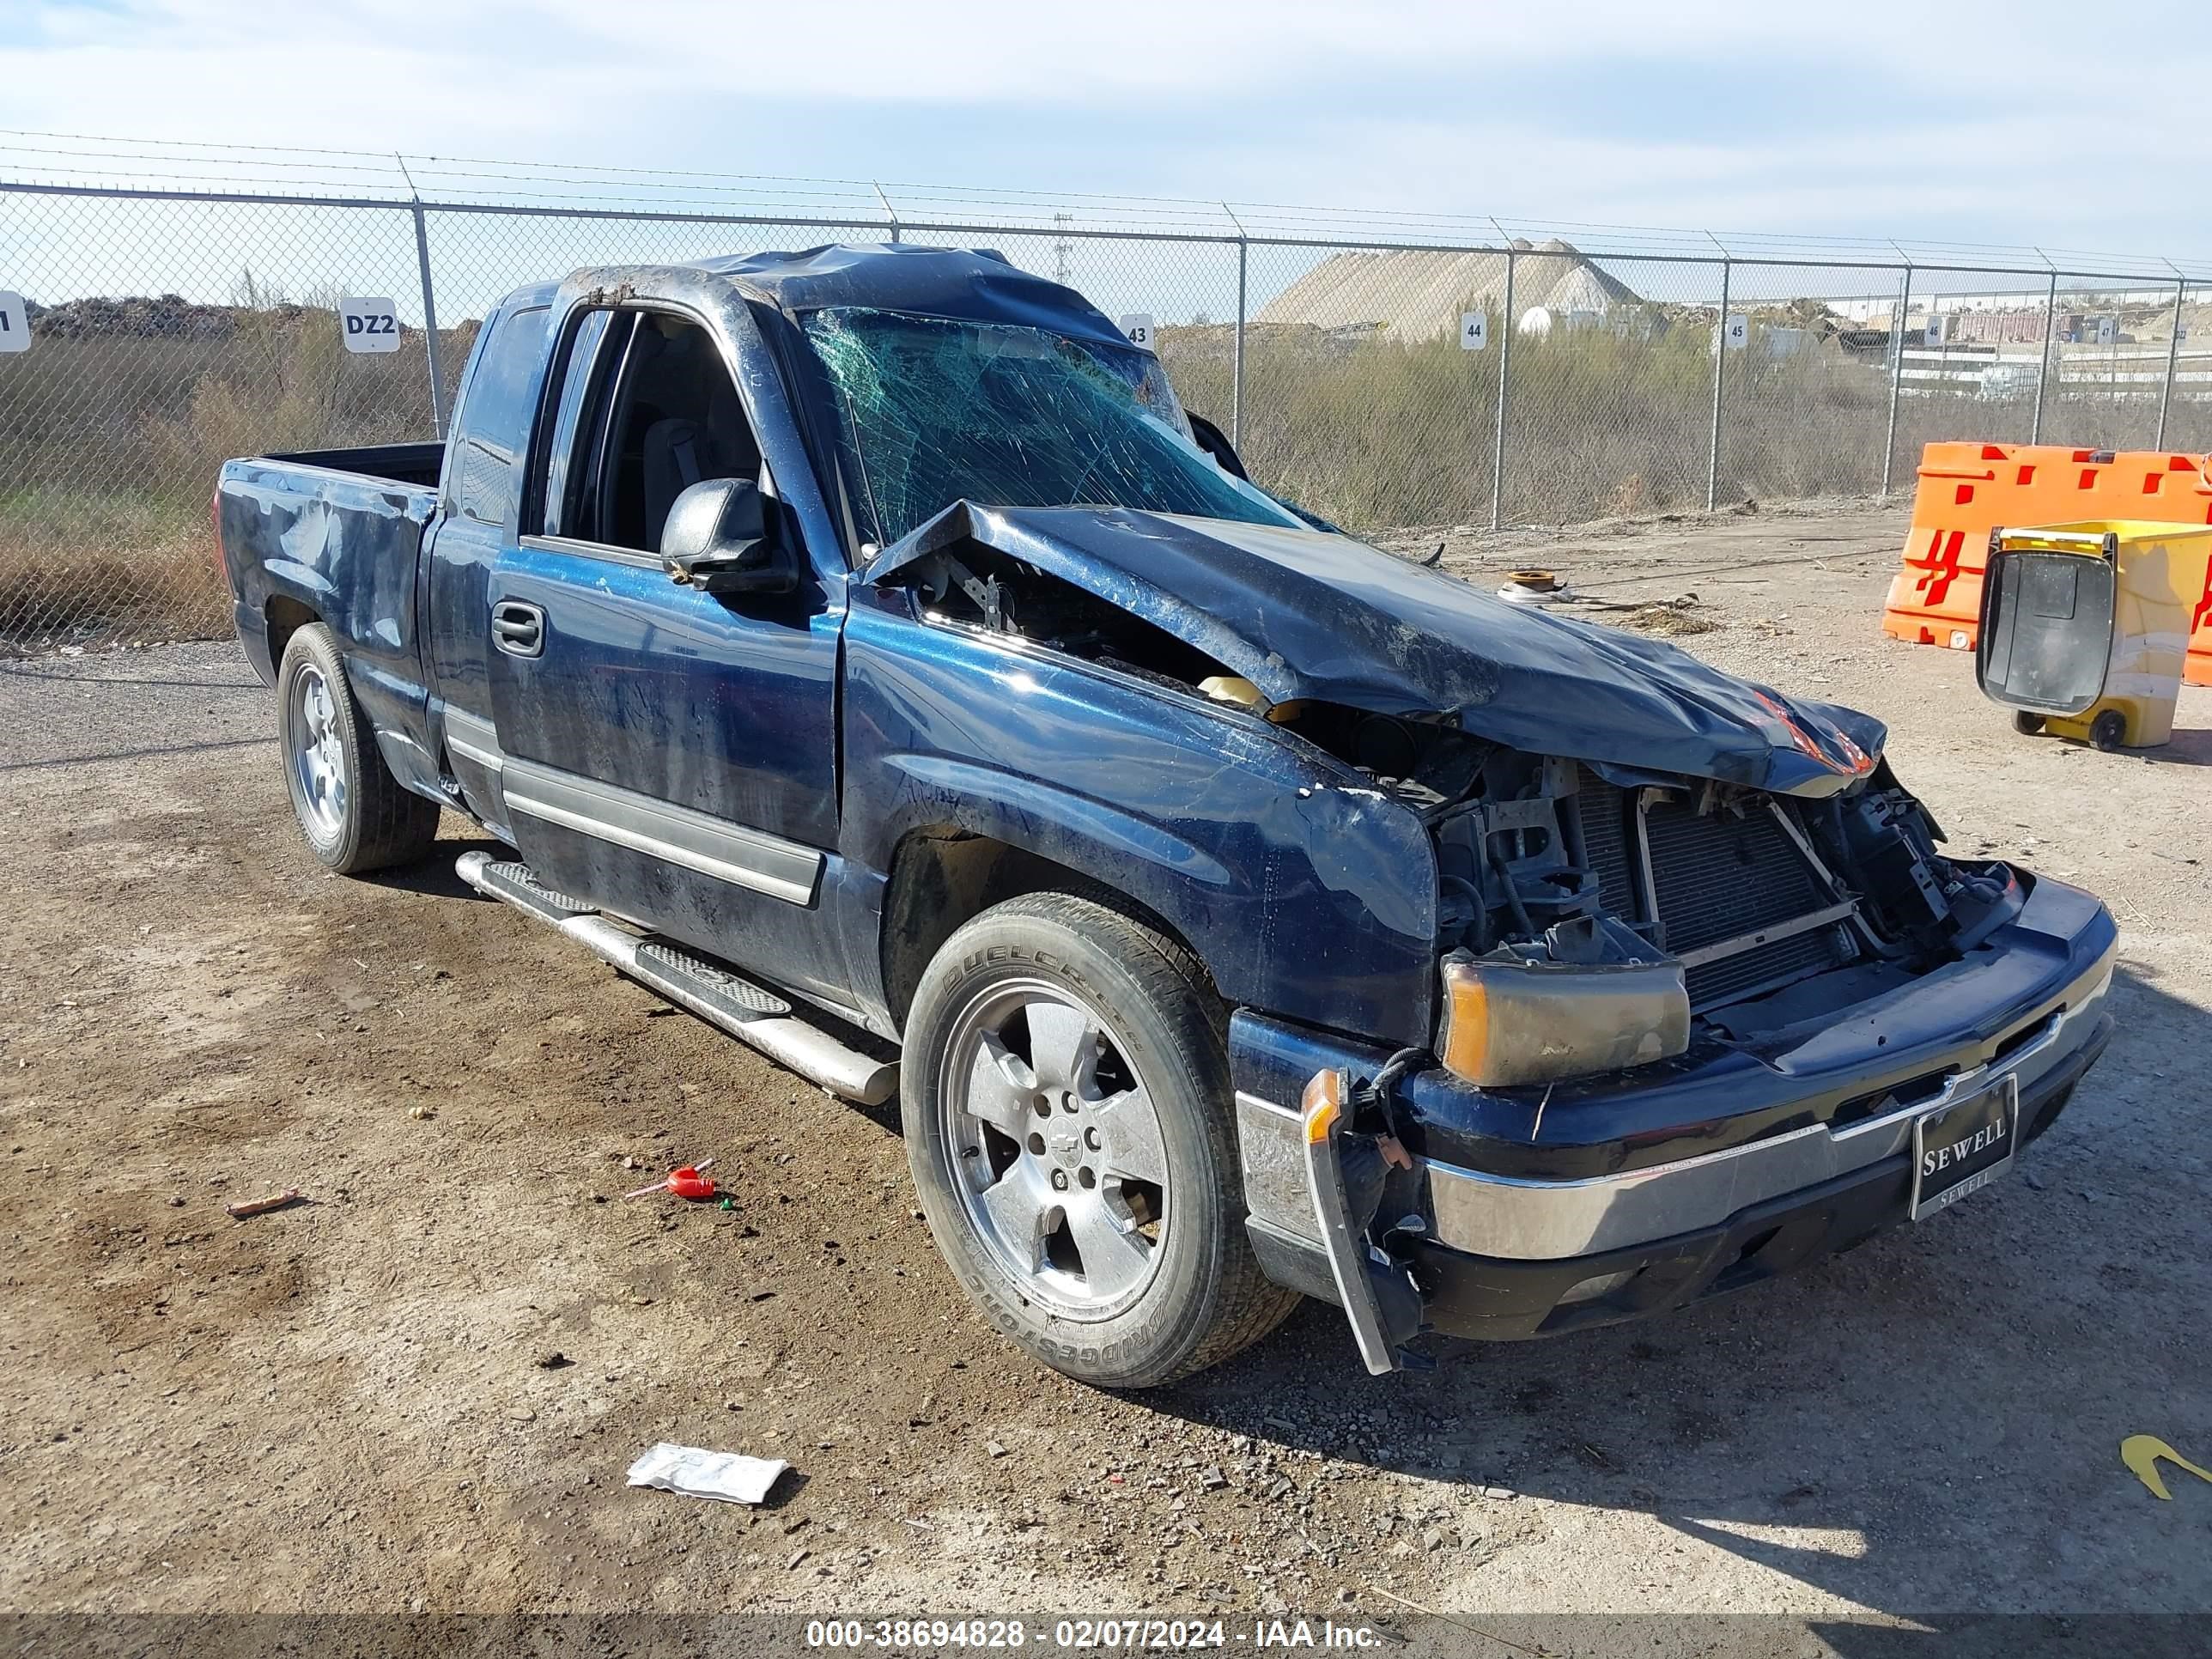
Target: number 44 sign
[15, 326]
[1473, 329]
[370, 325]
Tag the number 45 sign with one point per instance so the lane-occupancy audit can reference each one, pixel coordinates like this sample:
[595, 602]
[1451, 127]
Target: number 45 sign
[15, 326]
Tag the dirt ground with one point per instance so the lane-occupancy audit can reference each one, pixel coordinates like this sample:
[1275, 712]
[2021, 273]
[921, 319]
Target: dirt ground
[355, 1405]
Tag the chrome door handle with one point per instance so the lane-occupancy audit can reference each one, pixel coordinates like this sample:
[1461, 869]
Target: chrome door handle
[518, 629]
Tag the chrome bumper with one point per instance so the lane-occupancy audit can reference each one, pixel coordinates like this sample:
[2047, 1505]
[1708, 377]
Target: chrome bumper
[1502, 1216]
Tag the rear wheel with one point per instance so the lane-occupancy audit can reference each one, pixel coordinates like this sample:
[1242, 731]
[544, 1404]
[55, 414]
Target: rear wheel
[1065, 1094]
[355, 815]
[2025, 723]
[2108, 731]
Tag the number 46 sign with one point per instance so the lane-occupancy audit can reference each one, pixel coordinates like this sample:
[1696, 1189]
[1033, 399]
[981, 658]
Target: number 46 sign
[15, 326]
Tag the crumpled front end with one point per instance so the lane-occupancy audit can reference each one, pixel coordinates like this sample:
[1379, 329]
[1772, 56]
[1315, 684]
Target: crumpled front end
[1305, 618]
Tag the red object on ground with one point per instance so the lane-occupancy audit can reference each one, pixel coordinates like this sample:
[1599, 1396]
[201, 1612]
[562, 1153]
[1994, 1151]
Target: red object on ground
[690, 1181]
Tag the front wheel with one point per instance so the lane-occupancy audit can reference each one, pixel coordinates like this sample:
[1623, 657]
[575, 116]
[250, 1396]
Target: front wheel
[2108, 731]
[355, 815]
[1065, 1098]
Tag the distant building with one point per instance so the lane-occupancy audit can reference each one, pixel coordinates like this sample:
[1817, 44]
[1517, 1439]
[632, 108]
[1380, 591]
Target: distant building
[1413, 295]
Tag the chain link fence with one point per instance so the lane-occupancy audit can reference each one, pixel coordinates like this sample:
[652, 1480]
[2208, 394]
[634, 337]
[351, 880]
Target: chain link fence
[1386, 386]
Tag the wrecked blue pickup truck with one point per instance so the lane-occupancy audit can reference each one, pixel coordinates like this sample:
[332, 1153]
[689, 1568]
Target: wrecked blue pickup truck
[863, 649]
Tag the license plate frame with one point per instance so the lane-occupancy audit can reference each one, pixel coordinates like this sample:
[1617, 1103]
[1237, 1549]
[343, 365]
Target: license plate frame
[1996, 1104]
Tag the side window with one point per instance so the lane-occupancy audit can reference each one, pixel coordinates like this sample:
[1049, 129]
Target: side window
[494, 426]
[648, 408]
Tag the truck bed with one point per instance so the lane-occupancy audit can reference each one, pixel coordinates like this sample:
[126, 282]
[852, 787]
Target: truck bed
[335, 534]
[416, 464]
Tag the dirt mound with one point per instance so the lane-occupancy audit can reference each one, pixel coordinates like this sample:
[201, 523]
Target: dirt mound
[170, 316]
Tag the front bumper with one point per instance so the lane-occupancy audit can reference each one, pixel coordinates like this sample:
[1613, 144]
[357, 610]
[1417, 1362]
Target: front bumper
[1505, 1298]
[1691, 1177]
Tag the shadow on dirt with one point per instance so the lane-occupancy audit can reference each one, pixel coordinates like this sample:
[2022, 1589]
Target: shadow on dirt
[434, 876]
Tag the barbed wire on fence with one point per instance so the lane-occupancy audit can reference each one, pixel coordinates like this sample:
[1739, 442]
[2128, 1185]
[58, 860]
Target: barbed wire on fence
[1387, 372]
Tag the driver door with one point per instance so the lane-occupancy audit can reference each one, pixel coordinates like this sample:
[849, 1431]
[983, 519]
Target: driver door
[669, 755]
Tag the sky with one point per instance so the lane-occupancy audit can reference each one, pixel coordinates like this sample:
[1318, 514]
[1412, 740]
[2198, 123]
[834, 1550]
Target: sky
[2024, 124]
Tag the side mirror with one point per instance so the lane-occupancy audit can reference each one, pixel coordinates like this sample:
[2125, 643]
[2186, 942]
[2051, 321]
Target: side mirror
[1215, 442]
[720, 538]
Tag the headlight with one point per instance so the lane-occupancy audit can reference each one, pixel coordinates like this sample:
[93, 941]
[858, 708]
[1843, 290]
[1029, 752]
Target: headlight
[1507, 1022]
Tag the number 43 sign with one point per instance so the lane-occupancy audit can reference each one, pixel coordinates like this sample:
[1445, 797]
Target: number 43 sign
[15, 326]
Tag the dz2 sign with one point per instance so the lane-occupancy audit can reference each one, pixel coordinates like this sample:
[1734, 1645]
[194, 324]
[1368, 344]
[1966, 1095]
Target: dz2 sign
[368, 325]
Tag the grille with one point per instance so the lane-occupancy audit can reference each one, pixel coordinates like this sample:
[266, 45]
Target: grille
[1605, 812]
[1717, 877]
[1750, 970]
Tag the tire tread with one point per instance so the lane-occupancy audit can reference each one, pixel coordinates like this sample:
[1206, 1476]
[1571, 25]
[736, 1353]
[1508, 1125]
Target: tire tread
[388, 824]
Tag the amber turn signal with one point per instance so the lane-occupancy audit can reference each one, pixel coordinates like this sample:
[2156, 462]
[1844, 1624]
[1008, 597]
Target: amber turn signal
[1322, 1104]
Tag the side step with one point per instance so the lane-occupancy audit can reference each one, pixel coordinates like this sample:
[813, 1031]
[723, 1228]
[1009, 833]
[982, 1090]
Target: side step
[743, 1009]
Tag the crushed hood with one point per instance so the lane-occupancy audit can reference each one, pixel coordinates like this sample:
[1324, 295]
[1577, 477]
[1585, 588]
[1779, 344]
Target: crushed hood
[1302, 613]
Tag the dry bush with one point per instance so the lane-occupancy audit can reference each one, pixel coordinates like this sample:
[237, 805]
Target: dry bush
[110, 446]
[1380, 434]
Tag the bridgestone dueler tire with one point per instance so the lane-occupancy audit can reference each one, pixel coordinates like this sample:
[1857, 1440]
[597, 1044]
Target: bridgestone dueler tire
[1207, 1298]
[384, 823]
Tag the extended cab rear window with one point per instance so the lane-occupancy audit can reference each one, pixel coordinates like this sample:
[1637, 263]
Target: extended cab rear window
[494, 426]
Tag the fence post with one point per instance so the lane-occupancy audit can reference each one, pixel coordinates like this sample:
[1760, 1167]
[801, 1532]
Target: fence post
[1498, 427]
[1720, 363]
[1896, 375]
[1236, 359]
[2043, 374]
[2172, 361]
[430, 323]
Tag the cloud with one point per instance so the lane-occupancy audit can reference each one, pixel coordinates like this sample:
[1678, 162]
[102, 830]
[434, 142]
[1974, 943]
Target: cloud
[1970, 123]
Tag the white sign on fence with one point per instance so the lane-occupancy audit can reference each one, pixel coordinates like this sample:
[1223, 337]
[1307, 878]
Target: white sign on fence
[2108, 330]
[1473, 329]
[14, 326]
[1935, 337]
[1736, 332]
[370, 325]
[1137, 326]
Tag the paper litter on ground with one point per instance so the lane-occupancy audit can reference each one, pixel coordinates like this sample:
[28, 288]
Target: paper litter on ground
[728, 1477]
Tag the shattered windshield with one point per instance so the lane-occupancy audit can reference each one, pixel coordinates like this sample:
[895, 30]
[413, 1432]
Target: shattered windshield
[935, 411]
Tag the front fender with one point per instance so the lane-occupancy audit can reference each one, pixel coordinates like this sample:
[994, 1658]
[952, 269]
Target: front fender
[1304, 897]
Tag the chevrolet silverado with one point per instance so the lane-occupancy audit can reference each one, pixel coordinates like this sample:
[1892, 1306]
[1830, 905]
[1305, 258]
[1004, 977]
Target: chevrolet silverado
[863, 649]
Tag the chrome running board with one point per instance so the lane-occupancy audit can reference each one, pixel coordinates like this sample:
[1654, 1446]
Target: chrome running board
[747, 1012]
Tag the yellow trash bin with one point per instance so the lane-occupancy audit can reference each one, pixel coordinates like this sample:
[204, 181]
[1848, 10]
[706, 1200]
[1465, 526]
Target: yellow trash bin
[2085, 626]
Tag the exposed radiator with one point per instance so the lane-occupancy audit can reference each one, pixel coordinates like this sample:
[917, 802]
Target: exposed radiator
[1718, 878]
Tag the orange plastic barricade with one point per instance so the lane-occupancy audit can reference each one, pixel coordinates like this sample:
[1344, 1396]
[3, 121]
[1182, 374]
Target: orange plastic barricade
[2196, 667]
[1968, 490]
